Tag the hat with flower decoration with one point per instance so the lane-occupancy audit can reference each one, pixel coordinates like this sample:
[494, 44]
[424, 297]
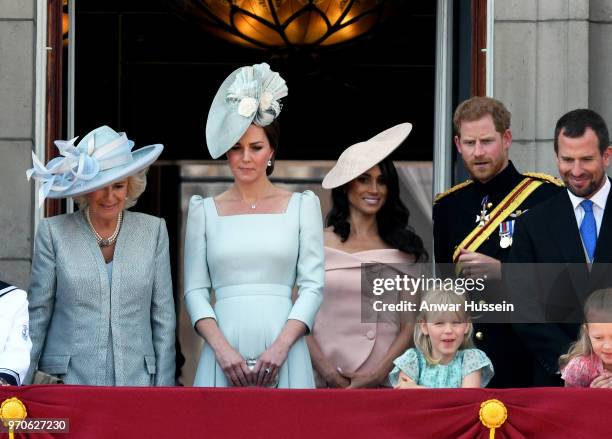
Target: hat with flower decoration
[249, 95]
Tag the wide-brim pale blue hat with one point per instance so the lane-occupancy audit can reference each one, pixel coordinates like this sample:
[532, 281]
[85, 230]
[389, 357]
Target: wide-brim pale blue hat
[101, 157]
[249, 95]
[358, 158]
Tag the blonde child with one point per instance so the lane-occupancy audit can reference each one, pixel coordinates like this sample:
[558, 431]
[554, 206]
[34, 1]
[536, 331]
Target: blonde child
[589, 360]
[444, 355]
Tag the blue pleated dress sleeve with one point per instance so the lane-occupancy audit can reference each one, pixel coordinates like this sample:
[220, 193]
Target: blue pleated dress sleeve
[196, 276]
[311, 263]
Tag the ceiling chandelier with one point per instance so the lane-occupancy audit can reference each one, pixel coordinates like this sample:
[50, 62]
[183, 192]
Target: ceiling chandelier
[286, 24]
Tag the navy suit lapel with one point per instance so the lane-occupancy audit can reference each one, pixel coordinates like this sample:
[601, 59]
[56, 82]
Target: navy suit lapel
[566, 234]
[603, 251]
[565, 230]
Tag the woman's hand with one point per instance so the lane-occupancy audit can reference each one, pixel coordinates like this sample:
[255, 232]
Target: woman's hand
[336, 380]
[362, 380]
[268, 364]
[326, 369]
[234, 366]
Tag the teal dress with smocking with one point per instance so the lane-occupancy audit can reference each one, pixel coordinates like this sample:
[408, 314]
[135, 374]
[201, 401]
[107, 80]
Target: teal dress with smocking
[450, 375]
[252, 262]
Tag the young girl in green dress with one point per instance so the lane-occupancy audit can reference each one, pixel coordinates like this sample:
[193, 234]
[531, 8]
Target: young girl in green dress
[444, 355]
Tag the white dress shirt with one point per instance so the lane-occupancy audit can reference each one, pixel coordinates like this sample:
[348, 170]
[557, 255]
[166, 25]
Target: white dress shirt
[599, 204]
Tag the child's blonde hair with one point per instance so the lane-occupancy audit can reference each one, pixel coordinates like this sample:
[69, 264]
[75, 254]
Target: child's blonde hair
[421, 340]
[600, 301]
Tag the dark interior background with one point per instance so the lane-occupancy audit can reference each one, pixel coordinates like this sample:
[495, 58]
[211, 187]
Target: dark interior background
[143, 69]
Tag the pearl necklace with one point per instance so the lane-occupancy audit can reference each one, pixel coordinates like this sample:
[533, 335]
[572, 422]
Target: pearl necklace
[105, 242]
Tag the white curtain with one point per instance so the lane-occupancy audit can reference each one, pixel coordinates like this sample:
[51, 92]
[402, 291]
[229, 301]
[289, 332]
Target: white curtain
[416, 186]
[418, 180]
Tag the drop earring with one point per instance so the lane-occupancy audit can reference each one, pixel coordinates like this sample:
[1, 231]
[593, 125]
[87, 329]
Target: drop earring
[269, 163]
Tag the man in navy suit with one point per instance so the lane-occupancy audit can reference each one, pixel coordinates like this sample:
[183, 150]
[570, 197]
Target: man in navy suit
[572, 227]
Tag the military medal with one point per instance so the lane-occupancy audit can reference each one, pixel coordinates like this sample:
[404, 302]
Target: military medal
[505, 241]
[484, 215]
[506, 229]
[518, 213]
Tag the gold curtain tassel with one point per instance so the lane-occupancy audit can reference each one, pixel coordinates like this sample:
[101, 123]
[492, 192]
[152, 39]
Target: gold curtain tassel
[12, 409]
[492, 415]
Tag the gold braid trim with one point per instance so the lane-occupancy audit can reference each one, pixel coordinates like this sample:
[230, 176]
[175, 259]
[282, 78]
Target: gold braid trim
[545, 177]
[508, 205]
[451, 190]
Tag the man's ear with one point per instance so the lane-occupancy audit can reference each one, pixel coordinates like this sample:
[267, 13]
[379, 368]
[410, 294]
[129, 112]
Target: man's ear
[606, 156]
[507, 138]
[458, 144]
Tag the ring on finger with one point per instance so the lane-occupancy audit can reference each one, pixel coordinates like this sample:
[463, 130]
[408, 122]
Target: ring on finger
[267, 370]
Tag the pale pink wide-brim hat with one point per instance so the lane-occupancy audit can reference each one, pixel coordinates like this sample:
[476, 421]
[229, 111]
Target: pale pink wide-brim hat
[358, 158]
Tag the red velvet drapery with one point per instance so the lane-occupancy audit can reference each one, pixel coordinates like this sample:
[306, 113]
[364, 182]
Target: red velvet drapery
[102, 412]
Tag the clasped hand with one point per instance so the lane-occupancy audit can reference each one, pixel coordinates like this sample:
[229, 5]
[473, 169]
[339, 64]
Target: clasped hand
[353, 380]
[262, 374]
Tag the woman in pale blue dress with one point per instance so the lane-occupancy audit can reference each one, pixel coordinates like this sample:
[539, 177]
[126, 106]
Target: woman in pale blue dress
[251, 245]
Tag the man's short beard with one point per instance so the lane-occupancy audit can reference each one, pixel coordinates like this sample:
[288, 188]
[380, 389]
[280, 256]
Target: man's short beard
[587, 191]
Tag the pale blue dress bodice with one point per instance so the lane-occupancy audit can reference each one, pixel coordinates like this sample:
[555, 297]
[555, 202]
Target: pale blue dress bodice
[450, 375]
[252, 262]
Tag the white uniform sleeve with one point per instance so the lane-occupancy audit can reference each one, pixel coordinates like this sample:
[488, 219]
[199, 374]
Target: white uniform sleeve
[15, 345]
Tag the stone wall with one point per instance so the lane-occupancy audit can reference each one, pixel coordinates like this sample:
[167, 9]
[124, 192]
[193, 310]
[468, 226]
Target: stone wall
[541, 71]
[550, 56]
[600, 58]
[17, 73]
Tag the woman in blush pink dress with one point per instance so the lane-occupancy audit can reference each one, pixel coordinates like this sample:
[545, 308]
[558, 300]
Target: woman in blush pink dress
[367, 224]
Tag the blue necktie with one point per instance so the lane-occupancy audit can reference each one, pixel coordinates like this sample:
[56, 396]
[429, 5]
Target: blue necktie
[588, 229]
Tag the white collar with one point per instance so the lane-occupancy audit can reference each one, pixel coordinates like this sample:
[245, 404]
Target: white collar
[599, 199]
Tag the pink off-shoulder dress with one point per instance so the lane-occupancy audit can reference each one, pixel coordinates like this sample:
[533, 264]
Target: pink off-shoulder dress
[348, 343]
